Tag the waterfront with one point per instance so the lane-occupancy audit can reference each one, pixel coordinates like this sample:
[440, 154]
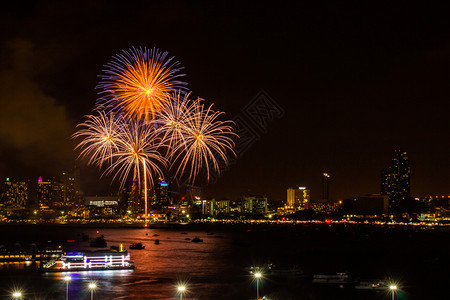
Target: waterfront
[415, 257]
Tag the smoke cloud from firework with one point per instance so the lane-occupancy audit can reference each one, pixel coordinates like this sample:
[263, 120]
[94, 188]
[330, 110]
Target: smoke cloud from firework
[34, 128]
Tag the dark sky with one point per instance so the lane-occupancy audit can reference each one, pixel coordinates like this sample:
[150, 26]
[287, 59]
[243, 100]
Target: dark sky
[355, 81]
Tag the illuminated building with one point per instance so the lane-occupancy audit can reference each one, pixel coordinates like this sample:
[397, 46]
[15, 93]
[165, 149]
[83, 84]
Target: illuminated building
[162, 193]
[58, 193]
[104, 206]
[70, 182]
[324, 206]
[45, 191]
[395, 180]
[14, 195]
[215, 207]
[135, 201]
[298, 198]
[254, 204]
[326, 187]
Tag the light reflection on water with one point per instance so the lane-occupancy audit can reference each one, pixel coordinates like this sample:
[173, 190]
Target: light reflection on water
[159, 268]
[215, 269]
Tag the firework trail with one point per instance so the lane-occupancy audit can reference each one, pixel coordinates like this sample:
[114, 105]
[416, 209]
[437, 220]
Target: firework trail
[137, 147]
[139, 81]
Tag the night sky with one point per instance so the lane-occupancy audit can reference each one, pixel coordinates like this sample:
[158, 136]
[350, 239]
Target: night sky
[355, 82]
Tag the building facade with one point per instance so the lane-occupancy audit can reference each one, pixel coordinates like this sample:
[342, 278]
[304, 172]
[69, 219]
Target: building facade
[396, 180]
[14, 195]
[298, 198]
[254, 204]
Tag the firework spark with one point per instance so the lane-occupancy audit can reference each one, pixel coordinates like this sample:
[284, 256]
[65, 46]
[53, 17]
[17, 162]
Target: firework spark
[138, 82]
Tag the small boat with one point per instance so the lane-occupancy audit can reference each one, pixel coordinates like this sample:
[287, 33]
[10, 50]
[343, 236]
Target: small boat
[156, 234]
[197, 240]
[285, 271]
[99, 243]
[379, 285]
[183, 233]
[187, 239]
[156, 242]
[340, 279]
[137, 246]
[210, 233]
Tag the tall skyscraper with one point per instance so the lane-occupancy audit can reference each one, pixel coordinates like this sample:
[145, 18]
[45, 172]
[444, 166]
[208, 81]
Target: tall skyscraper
[162, 192]
[396, 181]
[298, 198]
[326, 187]
[70, 187]
[45, 191]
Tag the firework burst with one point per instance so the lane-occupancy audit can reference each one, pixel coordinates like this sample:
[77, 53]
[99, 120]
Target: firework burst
[172, 121]
[101, 137]
[138, 82]
[204, 142]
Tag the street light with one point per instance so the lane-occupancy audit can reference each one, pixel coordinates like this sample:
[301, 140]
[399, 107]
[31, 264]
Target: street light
[17, 295]
[67, 279]
[181, 290]
[92, 287]
[258, 276]
[393, 288]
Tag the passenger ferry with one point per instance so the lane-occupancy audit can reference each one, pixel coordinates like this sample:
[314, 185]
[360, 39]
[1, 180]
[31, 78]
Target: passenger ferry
[102, 260]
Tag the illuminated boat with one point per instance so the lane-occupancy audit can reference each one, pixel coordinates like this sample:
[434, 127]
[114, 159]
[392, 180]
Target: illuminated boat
[340, 279]
[379, 285]
[90, 261]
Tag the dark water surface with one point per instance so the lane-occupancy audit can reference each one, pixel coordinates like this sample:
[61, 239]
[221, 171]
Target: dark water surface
[416, 258]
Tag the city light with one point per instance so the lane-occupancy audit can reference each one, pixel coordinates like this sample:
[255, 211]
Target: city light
[17, 294]
[67, 280]
[92, 287]
[393, 288]
[258, 276]
[181, 290]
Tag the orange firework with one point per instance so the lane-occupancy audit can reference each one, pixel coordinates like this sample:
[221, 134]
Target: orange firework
[139, 82]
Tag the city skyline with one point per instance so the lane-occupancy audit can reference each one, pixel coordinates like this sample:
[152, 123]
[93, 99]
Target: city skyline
[351, 92]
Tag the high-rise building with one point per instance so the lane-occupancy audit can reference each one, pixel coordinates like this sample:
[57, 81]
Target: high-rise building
[326, 187]
[70, 187]
[44, 192]
[298, 198]
[58, 193]
[133, 198]
[395, 179]
[254, 204]
[14, 194]
[162, 193]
